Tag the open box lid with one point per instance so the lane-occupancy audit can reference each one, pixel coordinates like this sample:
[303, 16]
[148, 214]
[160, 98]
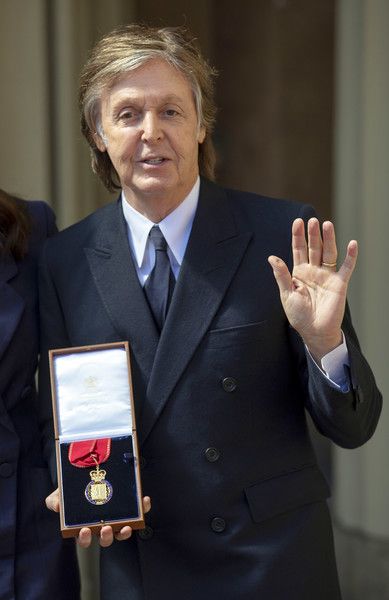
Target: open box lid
[92, 392]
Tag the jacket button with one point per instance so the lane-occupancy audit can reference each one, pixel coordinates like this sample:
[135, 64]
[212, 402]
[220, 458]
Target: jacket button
[6, 469]
[26, 392]
[212, 454]
[359, 394]
[142, 462]
[146, 533]
[218, 525]
[229, 384]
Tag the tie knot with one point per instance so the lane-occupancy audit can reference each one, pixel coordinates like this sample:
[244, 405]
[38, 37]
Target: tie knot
[157, 238]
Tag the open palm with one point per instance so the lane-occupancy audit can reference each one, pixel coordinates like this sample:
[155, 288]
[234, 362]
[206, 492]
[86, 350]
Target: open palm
[314, 295]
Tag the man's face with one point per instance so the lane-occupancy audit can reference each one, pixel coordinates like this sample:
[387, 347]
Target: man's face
[150, 131]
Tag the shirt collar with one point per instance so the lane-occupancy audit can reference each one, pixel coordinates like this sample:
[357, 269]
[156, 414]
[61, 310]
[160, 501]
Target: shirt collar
[176, 227]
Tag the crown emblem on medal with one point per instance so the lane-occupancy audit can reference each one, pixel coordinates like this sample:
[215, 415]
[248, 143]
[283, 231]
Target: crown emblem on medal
[98, 475]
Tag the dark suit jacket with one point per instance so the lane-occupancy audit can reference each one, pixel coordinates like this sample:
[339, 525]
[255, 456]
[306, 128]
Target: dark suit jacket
[34, 562]
[238, 502]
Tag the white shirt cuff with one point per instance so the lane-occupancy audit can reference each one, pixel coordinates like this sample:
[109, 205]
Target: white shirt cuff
[333, 365]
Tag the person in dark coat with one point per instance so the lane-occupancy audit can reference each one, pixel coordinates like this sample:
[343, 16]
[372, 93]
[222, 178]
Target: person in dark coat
[35, 564]
[256, 334]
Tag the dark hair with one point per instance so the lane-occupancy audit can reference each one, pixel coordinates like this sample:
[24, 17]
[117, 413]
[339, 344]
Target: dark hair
[15, 226]
[126, 49]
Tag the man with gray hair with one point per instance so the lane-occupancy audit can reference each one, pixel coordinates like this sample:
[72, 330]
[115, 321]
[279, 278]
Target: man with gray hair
[237, 322]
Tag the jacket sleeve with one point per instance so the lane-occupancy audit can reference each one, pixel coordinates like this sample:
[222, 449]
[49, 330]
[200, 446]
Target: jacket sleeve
[348, 418]
[51, 227]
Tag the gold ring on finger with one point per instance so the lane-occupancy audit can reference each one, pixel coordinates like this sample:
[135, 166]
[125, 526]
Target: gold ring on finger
[330, 265]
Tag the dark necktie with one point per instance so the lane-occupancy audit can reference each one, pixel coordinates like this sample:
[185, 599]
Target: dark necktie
[160, 284]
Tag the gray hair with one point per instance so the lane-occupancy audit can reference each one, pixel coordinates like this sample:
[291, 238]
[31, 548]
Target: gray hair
[126, 49]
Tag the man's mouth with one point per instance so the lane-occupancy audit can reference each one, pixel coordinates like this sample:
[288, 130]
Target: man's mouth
[154, 161]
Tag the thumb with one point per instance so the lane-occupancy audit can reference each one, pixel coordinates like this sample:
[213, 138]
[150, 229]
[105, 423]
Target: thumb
[52, 501]
[281, 274]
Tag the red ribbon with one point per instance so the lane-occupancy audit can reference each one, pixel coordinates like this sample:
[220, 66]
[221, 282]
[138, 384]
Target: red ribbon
[89, 453]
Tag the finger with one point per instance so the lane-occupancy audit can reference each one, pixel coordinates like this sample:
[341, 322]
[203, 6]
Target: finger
[106, 536]
[348, 266]
[123, 534]
[146, 504]
[299, 243]
[281, 274]
[315, 245]
[330, 251]
[126, 532]
[52, 501]
[84, 538]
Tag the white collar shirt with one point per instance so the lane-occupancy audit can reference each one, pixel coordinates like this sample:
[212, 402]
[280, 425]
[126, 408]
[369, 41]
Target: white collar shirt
[176, 228]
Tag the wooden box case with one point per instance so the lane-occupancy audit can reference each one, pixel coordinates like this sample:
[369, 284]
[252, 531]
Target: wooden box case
[96, 442]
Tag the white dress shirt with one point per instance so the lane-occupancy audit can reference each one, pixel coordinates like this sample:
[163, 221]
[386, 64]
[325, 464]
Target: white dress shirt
[176, 228]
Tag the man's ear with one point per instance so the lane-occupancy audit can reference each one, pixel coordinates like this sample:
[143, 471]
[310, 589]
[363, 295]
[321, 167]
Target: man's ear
[201, 135]
[99, 141]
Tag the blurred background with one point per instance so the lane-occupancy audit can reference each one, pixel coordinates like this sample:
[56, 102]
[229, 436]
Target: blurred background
[303, 96]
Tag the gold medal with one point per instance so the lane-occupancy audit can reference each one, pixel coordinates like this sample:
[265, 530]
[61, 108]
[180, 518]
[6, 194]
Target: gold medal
[99, 490]
[85, 453]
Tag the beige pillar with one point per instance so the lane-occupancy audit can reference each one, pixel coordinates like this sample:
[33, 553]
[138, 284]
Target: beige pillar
[24, 114]
[75, 27]
[42, 48]
[361, 498]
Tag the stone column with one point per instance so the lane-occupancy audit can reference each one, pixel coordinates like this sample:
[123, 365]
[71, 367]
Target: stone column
[74, 27]
[24, 115]
[361, 497]
[43, 46]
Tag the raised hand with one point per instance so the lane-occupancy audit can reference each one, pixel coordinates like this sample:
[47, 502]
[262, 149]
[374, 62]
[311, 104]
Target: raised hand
[314, 295]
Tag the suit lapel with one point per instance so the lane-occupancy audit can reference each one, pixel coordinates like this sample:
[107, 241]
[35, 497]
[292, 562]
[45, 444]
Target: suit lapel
[116, 279]
[11, 303]
[214, 252]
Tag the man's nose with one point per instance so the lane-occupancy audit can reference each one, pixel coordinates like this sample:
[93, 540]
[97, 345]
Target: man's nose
[151, 128]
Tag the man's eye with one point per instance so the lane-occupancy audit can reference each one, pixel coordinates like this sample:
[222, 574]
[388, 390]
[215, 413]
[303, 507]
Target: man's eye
[127, 115]
[170, 112]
